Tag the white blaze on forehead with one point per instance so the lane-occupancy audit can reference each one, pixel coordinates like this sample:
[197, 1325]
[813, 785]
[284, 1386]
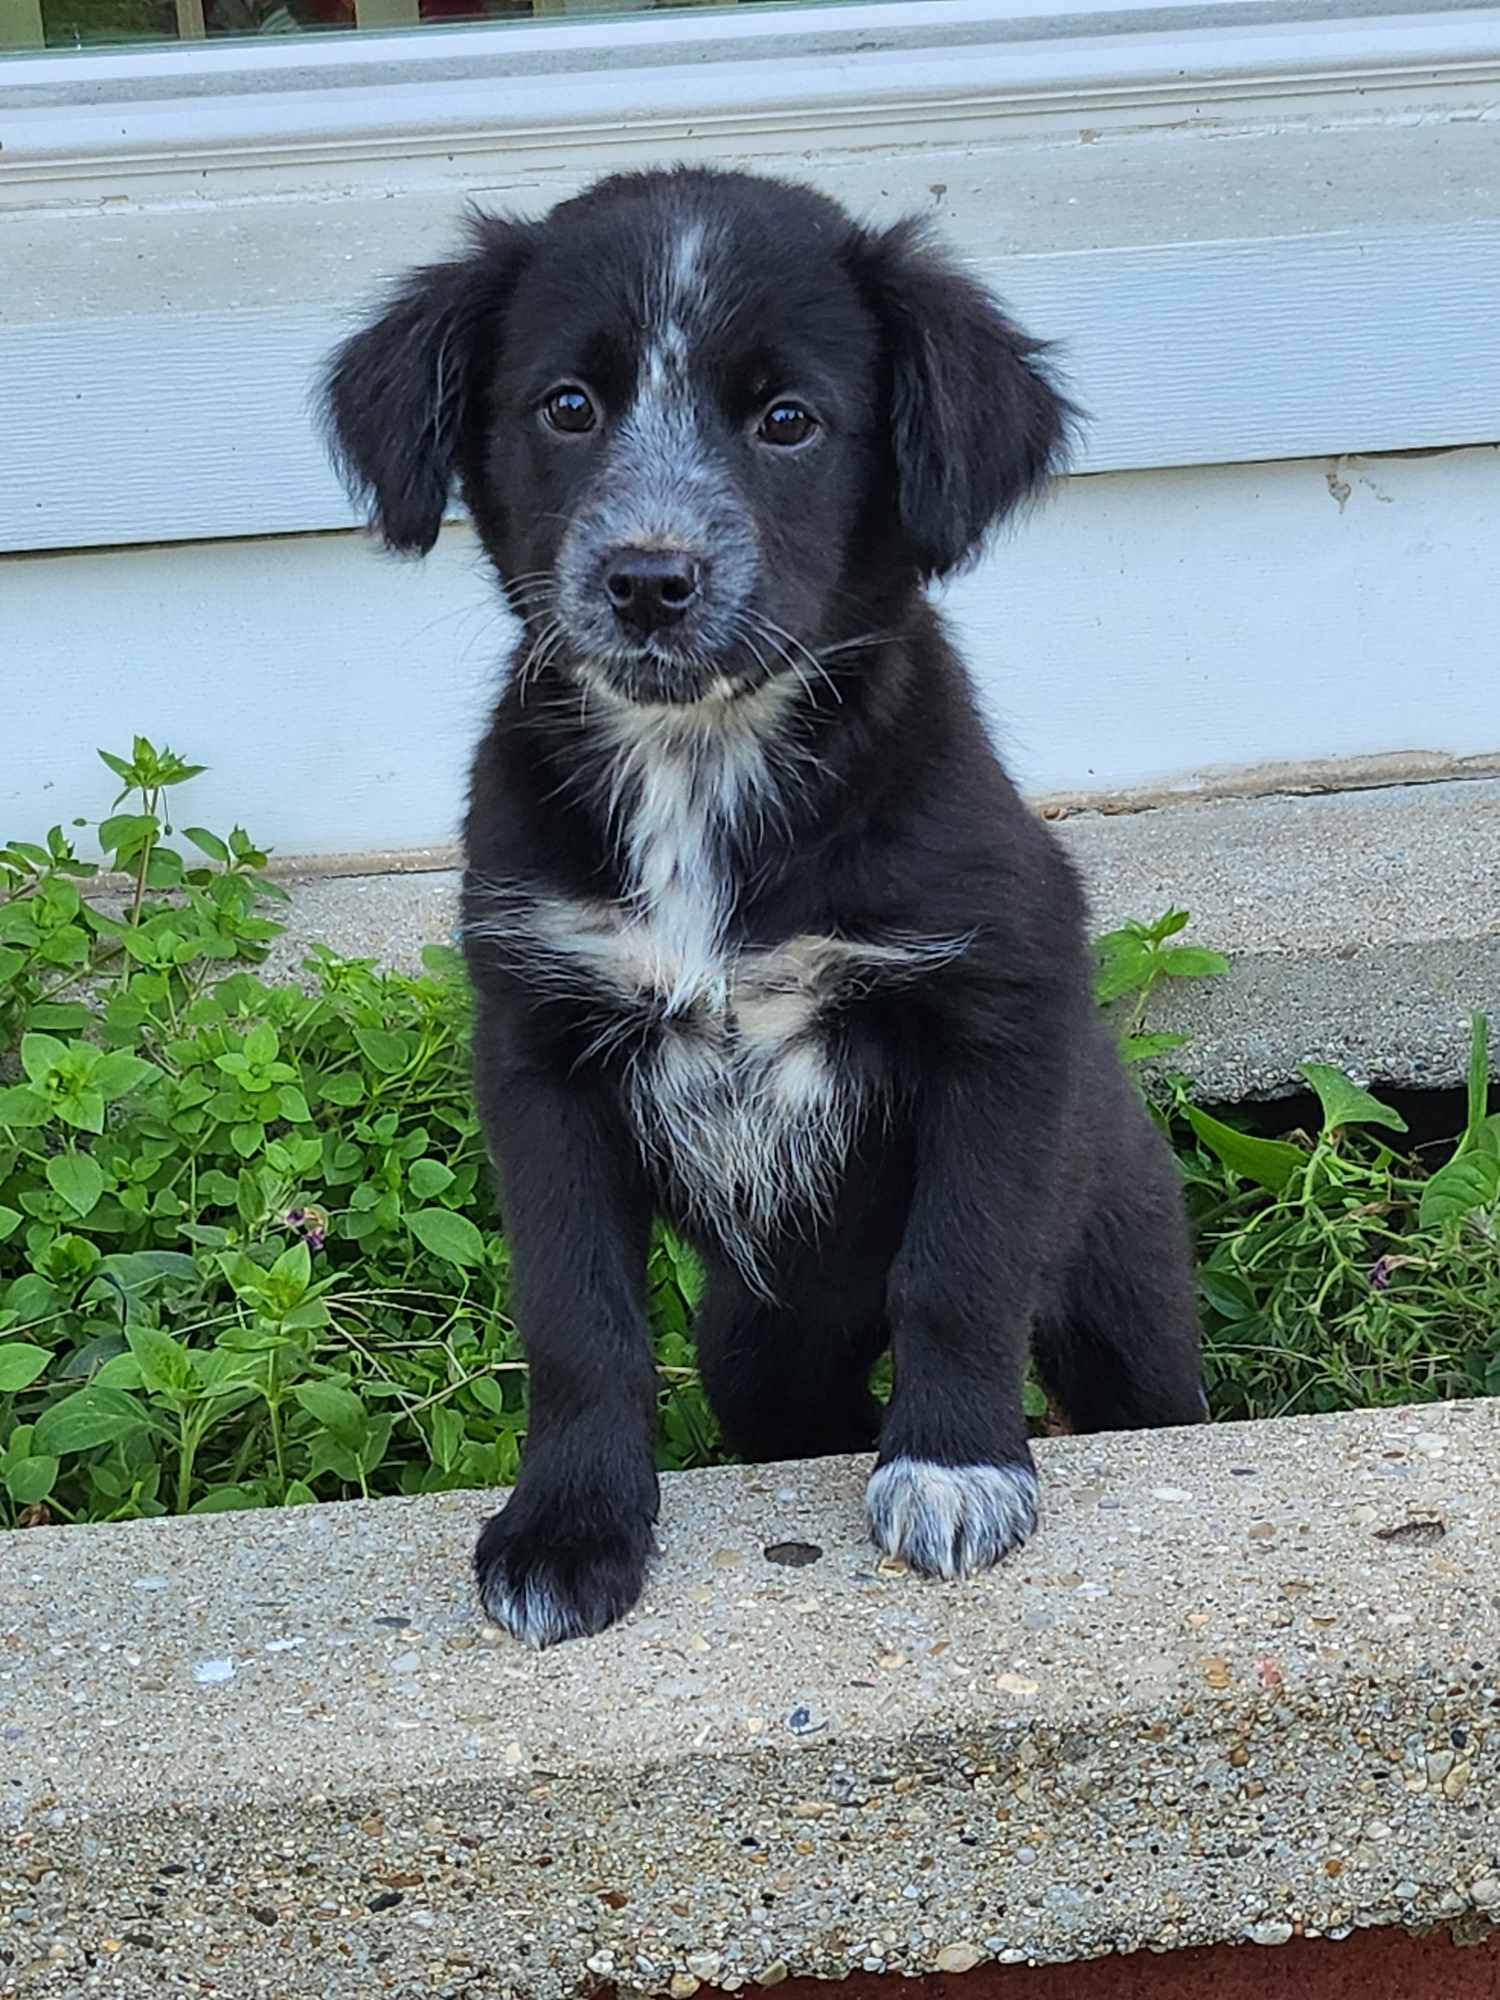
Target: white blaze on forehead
[676, 300]
[687, 273]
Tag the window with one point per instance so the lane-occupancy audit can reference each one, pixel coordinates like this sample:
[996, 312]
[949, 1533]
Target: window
[97, 24]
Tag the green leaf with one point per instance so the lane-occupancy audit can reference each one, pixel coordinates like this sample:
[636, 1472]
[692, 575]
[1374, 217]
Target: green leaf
[1192, 961]
[164, 870]
[20, 1365]
[345, 1088]
[83, 1109]
[292, 1105]
[22, 1109]
[120, 1072]
[10, 1220]
[1344, 1103]
[121, 1371]
[428, 1178]
[1126, 964]
[29, 1480]
[89, 1417]
[306, 1317]
[1270, 1163]
[447, 1436]
[42, 1056]
[67, 1016]
[1146, 1048]
[68, 947]
[1229, 1296]
[1479, 1077]
[11, 962]
[261, 1045]
[293, 1269]
[447, 1235]
[138, 1269]
[338, 1410]
[225, 1500]
[206, 843]
[444, 961]
[124, 834]
[488, 1394]
[165, 1363]
[384, 1050]
[78, 1178]
[1468, 1182]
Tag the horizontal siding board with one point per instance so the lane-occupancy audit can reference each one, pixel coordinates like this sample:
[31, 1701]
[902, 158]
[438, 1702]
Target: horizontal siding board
[1141, 629]
[195, 425]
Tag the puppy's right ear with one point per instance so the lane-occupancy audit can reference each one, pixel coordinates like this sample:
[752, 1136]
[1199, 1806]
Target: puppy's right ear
[398, 396]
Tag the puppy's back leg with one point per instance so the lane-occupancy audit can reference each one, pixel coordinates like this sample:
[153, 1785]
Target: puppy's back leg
[787, 1379]
[1116, 1341]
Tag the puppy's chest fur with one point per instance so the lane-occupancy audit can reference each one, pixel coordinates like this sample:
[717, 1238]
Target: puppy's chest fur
[734, 1080]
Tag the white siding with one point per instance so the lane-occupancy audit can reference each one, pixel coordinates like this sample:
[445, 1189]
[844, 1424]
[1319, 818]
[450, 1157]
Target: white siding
[1144, 628]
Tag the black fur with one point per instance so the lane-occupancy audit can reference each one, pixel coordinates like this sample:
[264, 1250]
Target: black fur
[998, 1182]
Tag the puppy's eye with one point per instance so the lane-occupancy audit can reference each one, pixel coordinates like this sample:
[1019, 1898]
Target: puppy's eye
[571, 410]
[787, 423]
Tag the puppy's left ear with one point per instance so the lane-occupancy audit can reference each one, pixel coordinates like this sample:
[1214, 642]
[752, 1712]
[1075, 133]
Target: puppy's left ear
[976, 421]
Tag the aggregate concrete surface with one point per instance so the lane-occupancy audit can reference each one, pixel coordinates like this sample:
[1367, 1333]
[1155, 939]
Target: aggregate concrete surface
[1242, 1686]
[1363, 927]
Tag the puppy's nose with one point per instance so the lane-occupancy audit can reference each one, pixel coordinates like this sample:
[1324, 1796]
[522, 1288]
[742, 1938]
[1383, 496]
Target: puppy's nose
[650, 589]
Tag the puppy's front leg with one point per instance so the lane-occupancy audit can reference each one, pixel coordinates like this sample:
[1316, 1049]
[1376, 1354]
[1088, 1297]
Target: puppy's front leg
[954, 1487]
[568, 1553]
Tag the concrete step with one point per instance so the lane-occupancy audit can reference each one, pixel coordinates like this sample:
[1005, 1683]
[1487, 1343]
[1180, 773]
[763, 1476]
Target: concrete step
[1363, 927]
[1240, 1689]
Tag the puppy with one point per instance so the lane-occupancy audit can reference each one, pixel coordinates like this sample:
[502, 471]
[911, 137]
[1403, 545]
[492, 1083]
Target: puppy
[761, 938]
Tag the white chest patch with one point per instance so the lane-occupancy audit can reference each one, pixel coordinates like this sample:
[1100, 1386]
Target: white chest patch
[731, 1087]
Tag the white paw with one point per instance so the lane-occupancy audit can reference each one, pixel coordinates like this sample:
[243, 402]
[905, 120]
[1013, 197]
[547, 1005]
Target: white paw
[545, 1591]
[532, 1613]
[950, 1520]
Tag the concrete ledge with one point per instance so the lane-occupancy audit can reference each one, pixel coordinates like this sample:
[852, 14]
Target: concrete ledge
[1364, 927]
[1244, 1686]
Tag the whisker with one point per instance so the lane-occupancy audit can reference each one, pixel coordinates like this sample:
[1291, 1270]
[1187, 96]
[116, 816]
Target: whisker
[771, 628]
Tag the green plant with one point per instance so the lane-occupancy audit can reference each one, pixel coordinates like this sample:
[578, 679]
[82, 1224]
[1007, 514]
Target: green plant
[1135, 961]
[246, 1254]
[1335, 1269]
[1467, 1188]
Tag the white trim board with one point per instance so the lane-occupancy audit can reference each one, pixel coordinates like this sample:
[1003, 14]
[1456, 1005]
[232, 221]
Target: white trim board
[1143, 629]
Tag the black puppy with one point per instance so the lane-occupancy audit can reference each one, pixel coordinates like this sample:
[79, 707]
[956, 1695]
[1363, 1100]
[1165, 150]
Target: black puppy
[761, 937]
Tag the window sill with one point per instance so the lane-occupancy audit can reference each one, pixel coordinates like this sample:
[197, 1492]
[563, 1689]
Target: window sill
[726, 74]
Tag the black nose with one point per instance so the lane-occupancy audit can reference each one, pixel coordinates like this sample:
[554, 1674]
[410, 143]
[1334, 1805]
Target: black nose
[650, 589]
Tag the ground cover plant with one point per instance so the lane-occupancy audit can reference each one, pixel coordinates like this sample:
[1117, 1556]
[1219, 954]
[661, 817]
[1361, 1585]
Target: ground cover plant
[246, 1248]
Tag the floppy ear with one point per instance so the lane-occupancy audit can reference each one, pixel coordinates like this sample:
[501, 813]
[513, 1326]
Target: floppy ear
[398, 395]
[976, 421]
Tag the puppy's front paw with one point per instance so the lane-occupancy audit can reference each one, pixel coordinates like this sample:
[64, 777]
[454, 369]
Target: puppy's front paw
[545, 1587]
[950, 1520]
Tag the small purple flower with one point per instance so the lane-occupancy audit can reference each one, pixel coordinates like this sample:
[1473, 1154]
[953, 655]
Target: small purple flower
[310, 1224]
[1380, 1274]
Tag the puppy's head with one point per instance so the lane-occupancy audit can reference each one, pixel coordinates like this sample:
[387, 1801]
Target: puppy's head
[706, 426]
